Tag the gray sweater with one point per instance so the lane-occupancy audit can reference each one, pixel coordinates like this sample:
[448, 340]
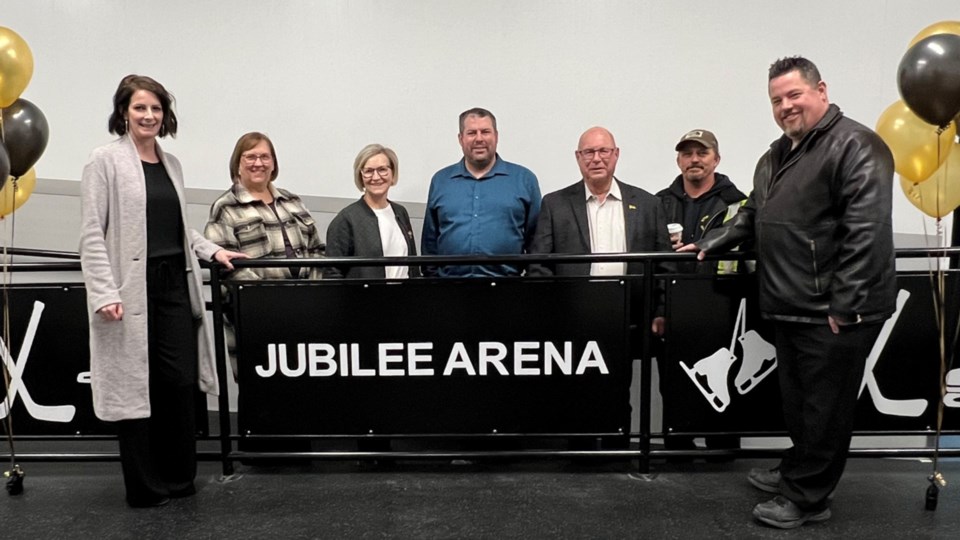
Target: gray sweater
[113, 256]
[355, 232]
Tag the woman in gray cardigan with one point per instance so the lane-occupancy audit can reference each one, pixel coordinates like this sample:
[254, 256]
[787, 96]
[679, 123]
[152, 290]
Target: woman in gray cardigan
[150, 346]
[373, 226]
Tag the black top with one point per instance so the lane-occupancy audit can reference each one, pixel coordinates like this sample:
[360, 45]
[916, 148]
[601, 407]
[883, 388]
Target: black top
[698, 211]
[783, 150]
[288, 250]
[287, 246]
[164, 223]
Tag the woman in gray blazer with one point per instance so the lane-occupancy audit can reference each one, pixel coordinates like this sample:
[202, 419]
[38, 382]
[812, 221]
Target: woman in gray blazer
[150, 346]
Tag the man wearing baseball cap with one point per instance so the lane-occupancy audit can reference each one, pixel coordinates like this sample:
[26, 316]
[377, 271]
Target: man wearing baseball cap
[699, 199]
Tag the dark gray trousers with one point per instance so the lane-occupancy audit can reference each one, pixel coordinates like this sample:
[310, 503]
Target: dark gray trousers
[820, 375]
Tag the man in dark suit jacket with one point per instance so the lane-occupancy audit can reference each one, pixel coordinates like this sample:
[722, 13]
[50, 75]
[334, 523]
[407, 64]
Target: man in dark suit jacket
[599, 214]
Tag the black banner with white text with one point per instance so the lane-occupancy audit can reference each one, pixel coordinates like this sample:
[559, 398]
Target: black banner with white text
[459, 357]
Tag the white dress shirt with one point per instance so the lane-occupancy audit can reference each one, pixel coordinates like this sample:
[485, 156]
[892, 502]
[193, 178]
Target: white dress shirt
[607, 230]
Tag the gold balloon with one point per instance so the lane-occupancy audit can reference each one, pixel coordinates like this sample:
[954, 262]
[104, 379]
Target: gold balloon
[940, 194]
[15, 193]
[16, 66]
[942, 27]
[914, 142]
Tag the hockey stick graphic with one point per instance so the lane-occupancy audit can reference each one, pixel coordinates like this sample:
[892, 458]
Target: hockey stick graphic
[49, 413]
[891, 407]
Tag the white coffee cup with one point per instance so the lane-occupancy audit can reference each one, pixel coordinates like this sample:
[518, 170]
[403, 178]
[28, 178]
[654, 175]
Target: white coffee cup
[676, 232]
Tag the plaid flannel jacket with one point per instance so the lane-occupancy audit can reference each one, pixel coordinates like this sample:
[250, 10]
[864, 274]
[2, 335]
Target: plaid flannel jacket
[239, 222]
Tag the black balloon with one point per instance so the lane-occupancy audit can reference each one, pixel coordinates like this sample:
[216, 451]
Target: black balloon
[4, 166]
[25, 134]
[929, 78]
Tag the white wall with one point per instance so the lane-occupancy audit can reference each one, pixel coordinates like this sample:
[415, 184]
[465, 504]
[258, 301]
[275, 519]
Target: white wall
[324, 78]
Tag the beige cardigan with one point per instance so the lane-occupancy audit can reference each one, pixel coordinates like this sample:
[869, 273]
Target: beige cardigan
[113, 255]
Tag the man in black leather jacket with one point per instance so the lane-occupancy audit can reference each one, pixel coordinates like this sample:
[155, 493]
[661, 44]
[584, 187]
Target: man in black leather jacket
[820, 214]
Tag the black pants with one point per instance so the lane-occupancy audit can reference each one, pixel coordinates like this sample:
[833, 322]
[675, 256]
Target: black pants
[820, 375]
[158, 454]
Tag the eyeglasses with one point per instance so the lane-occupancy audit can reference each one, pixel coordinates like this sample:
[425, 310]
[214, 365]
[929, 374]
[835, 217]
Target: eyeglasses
[250, 159]
[588, 154]
[382, 171]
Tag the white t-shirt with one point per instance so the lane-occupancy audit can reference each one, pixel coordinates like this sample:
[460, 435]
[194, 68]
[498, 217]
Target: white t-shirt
[394, 244]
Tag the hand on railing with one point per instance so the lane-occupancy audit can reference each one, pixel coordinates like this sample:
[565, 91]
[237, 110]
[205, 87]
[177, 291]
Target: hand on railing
[225, 256]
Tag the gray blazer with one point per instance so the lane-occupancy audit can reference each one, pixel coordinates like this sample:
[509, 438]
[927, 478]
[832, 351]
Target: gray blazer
[355, 232]
[113, 256]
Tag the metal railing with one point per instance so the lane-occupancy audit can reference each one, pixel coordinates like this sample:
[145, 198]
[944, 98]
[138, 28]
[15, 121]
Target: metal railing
[652, 271]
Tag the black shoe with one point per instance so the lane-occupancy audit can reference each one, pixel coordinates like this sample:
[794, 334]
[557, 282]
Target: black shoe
[188, 491]
[148, 503]
[765, 479]
[783, 513]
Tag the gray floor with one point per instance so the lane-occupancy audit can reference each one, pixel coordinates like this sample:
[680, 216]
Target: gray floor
[878, 498]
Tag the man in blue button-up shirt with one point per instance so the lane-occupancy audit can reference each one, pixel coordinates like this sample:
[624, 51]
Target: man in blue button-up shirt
[481, 205]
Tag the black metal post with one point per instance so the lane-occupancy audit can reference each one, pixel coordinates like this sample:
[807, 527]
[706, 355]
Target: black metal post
[955, 238]
[645, 370]
[216, 295]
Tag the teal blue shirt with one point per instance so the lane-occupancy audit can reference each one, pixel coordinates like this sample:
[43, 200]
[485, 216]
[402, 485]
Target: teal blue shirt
[492, 215]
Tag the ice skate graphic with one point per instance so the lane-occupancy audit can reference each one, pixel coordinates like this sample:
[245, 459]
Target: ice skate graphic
[759, 356]
[952, 397]
[50, 413]
[710, 374]
[892, 407]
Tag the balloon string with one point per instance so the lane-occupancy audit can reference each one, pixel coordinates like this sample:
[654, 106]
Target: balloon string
[938, 291]
[941, 335]
[4, 283]
[954, 241]
[938, 286]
